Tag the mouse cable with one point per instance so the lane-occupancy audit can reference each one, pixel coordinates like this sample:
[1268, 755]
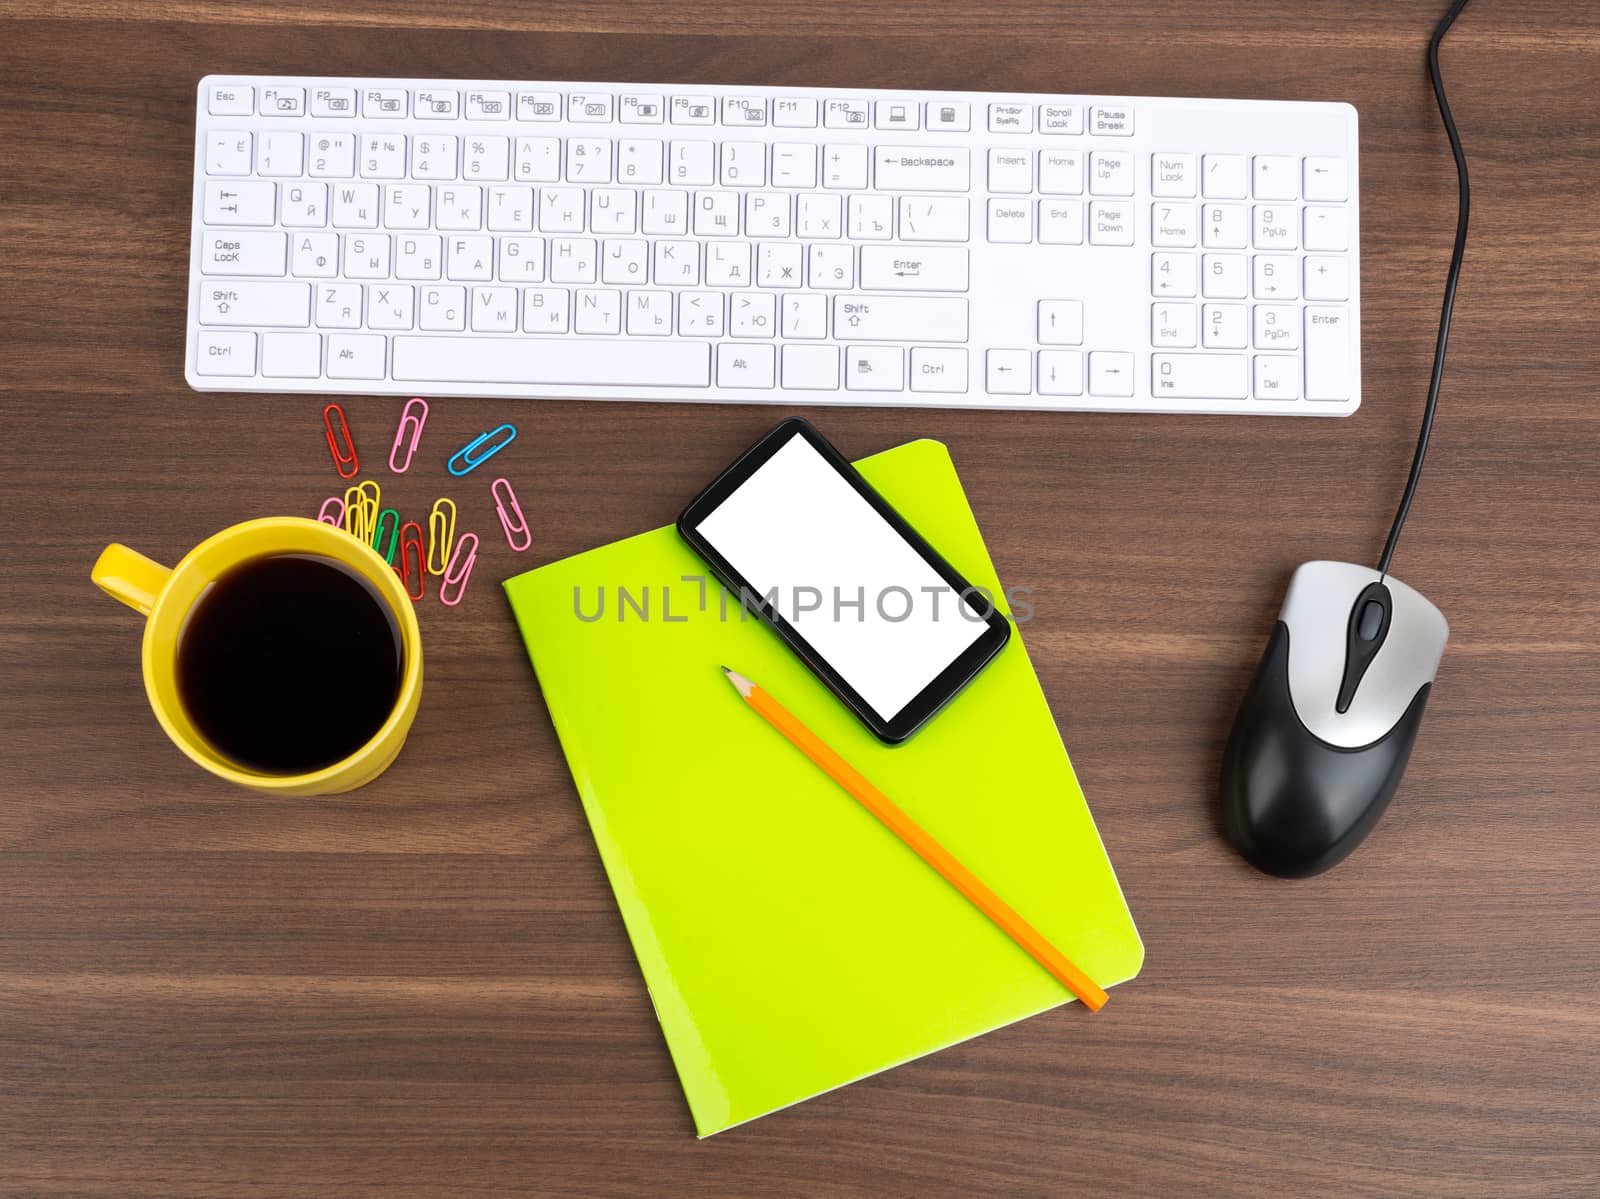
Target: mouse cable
[1463, 203]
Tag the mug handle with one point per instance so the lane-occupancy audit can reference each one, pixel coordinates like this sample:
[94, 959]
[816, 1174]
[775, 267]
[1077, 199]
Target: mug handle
[130, 577]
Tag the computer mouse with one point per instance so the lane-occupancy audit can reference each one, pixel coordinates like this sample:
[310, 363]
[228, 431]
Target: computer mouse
[1325, 730]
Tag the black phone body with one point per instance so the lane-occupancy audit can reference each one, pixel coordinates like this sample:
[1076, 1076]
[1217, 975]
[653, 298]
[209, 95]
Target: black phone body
[793, 521]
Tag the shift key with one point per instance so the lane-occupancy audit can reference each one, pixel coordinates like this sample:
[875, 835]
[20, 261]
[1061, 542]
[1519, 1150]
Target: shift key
[274, 305]
[900, 318]
[914, 268]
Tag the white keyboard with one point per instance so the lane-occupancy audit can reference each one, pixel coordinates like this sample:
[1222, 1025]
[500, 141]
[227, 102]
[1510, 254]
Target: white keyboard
[792, 245]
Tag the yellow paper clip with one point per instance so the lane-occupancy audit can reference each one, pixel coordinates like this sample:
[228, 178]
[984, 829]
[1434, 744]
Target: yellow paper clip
[441, 534]
[370, 494]
[353, 510]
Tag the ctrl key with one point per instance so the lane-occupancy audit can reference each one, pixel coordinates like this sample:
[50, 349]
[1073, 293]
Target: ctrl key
[939, 370]
[226, 354]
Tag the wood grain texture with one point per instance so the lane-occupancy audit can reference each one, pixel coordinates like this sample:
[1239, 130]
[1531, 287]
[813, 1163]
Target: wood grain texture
[424, 988]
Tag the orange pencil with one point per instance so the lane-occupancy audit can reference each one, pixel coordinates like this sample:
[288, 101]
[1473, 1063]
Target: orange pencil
[931, 852]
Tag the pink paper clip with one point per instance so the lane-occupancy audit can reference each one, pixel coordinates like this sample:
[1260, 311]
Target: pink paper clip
[457, 570]
[416, 412]
[510, 512]
[332, 512]
[340, 444]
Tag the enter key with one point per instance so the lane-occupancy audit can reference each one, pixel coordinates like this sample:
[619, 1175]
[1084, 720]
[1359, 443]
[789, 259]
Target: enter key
[900, 318]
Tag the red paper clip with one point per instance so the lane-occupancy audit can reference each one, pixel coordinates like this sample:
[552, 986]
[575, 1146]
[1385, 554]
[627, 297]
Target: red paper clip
[413, 577]
[510, 513]
[332, 512]
[416, 412]
[457, 570]
[340, 458]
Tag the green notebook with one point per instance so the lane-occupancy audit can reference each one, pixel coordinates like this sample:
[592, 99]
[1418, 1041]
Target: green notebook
[790, 942]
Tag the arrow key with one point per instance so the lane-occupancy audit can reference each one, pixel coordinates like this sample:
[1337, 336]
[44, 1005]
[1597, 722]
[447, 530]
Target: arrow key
[1173, 276]
[1010, 372]
[1110, 373]
[1061, 322]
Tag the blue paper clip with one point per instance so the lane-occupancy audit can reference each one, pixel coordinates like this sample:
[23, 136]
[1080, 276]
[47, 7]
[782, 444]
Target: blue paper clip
[465, 461]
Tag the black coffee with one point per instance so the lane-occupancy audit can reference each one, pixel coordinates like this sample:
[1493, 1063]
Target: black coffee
[289, 663]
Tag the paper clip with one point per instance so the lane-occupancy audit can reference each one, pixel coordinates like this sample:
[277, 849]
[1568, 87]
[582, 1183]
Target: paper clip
[413, 578]
[510, 513]
[441, 534]
[341, 458]
[394, 535]
[465, 461]
[361, 510]
[455, 574]
[416, 412]
[332, 512]
[354, 509]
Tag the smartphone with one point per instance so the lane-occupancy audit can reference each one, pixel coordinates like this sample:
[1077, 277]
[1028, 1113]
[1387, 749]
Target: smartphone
[797, 534]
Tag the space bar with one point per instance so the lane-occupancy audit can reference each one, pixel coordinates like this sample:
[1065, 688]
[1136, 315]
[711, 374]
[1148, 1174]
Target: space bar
[566, 363]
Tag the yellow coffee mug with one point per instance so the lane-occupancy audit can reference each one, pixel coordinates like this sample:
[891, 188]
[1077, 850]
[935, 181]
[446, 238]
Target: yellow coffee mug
[165, 597]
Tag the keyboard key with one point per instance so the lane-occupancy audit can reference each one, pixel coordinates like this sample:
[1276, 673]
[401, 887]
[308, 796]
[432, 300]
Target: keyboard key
[1326, 229]
[442, 309]
[805, 316]
[1061, 118]
[1111, 223]
[819, 216]
[1222, 327]
[954, 116]
[1327, 279]
[897, 114]
[338, 305]
[1172, 175]
[744, 112]
[278, 101]
[537, 160]
[241, 253]
[333, 157]
[282, 305]
[486, 158]
[1010, 221]
[384, 103]
[794, 113]
[588, 160]
[488, 106]
[230, 100]
[1277, 378]
[700, 313]
[922, 168]
[1172, 224]
[874, 368]
[1276, 178]
[231, 355]
[356, 355]
[1327, 354]
[390, 305]
[746, 366]
[436, 104]
[744, 164]
[1111, 173]
[914, 268]
[315, 255]
[1061, 322]
[1223, 226]
[1008, 372]
[831, 267]
[900, 318]
[1199, 376]
[1110, 374]
[333, 101]
[938, 369]
[1326, 179]
[228, 154]
[794, 164]
[590, 108]
[841, 113]
[291, 355]
[1061, 222]
[811, 368]
[665, 212]
[844, 166]
[382, 156]
[544, 310]
[1277, 277]
[1061, 372]
[728, 265]
[355, 206]
[1224, 177]
[1010, 118]
[1061, 172]
[1010, 171]
[1173, 276]
[600, 363]
[639, 161]
[1277, 327]
[868, 218]
[280, 153]
[649, 314]
[1222, 276]
[1111, 120]
[1275, 227]
[598, 310]
[510, 209]
[693, 110]
[1174, 325]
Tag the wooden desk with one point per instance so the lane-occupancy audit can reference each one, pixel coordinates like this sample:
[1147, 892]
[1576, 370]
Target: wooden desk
[424, 988]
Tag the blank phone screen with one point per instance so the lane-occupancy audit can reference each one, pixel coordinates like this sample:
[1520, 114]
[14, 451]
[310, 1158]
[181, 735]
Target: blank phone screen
[865, 599]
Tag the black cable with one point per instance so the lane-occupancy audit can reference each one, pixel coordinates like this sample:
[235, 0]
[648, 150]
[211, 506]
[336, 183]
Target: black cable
[1463, 203]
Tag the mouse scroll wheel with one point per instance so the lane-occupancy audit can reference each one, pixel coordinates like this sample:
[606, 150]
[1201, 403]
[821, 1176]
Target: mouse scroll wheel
[1370, 621]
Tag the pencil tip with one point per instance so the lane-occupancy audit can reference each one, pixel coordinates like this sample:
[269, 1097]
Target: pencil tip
[725, 670]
